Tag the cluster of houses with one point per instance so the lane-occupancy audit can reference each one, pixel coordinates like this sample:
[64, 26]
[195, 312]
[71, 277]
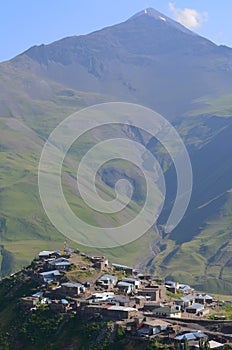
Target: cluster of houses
[118, 293]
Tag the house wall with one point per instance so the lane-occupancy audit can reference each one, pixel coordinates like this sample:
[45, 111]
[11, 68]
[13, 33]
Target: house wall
[119, 315]
[72, 291]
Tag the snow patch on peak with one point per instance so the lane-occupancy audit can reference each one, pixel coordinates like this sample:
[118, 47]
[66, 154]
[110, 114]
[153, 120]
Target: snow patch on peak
[163, 19]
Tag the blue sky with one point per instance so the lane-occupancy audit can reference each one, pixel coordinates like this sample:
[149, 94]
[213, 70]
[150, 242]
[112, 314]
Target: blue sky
[25, 23]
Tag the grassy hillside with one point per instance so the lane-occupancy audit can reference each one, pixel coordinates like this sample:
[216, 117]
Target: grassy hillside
[205, 260]
[24, 226]
[40, 87]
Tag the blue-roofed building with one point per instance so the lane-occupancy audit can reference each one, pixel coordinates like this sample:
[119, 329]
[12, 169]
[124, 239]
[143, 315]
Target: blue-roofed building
[49, 276]
[194, 308]
[59, 264]
[64, 301]
[38, 295]
[193, 335]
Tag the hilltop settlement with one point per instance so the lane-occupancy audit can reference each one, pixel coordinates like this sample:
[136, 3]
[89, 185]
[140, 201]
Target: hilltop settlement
[144, 308]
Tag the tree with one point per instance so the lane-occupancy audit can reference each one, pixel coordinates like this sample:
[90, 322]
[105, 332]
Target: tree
[186, 345]
[204, 345]
[227, 346]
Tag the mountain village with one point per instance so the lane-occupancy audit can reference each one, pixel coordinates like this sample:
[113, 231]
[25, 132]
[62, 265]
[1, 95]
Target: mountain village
[143, 305]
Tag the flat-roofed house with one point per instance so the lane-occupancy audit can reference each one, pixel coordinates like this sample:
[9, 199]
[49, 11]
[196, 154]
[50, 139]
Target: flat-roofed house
[59, 264]
[194, 308]
[185, 301]
[152, 327]
[100, 262]
[125, 287]
[139, 301]
[107, 281]
[119, 312]
[135, 281]
[124, 268]
[123, 301]
[46, 254]
[49, 276]
[72, 289]
[166, 311]
[29, 302]
[156, 293]
[203, 299]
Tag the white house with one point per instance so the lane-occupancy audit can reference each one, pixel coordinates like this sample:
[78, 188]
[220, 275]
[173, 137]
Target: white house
[48, 254]
[125, 287]
[134, 281]
[107, 281]
[97, 297]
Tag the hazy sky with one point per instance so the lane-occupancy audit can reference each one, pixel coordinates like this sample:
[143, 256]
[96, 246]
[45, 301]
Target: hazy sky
[25, 23]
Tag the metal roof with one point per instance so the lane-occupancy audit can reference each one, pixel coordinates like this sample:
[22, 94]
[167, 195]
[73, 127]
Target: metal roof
[125, 284]
[195, 335]
[64, 301]
[53, 272]
[106, 276]
[46, 253]
[128, 279]
[120, 300]
[38, 294]
[122, 266]
[195, 306]
[64, 263]
[187, 298]
[120, 308]
[72, 285]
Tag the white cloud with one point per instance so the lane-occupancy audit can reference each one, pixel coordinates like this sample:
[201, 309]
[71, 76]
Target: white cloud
[190, 18]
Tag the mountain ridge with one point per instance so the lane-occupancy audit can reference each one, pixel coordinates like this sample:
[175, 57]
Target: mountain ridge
[121, 65]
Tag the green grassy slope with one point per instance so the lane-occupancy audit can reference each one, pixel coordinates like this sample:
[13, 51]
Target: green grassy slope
[198, 250]
[24, 226]
[205, 260]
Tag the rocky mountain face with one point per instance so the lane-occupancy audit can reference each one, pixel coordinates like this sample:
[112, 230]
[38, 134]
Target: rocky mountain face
[149, 59]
